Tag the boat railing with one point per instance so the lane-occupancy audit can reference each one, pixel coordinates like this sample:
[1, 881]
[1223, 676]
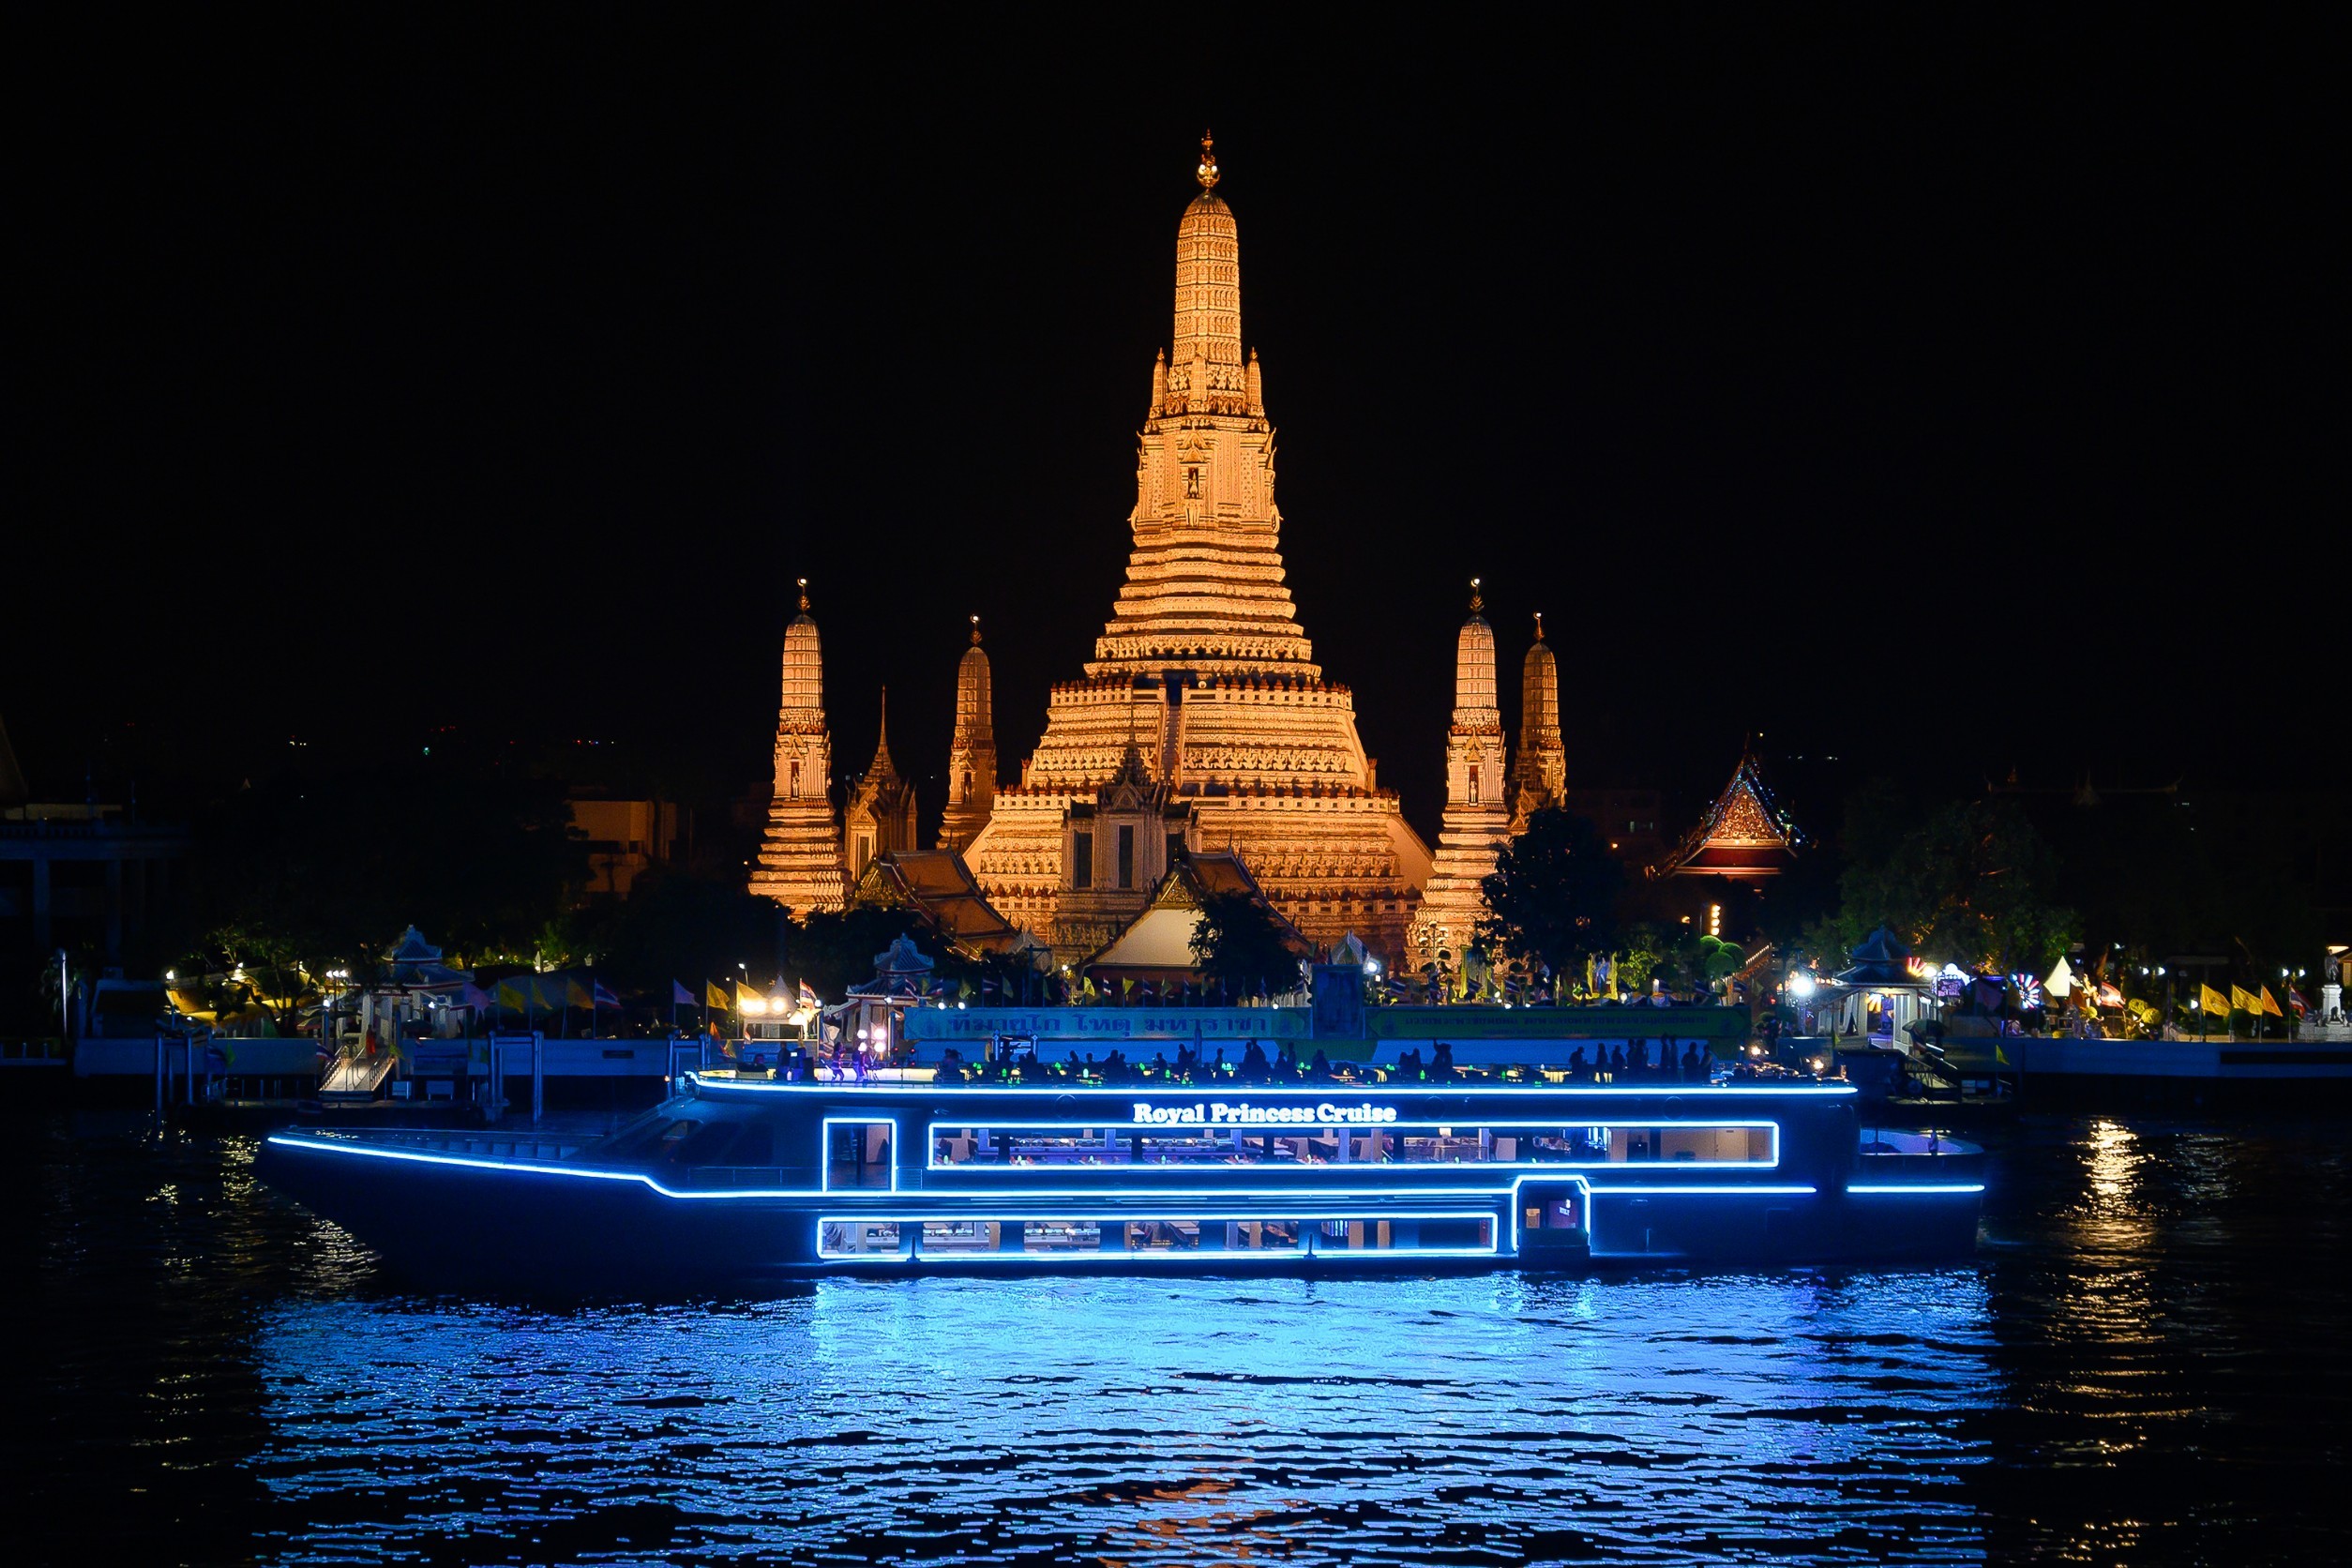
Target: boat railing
[735, 1176]
[481, 1147]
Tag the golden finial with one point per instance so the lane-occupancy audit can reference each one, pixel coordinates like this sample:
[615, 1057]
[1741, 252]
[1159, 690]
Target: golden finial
[804, 595]
[975, 631]
[1207, 173]
[1539, 625]
[1477, 604]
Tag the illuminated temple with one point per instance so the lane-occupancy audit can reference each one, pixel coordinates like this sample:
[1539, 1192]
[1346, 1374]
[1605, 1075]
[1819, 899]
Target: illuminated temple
[1203, 722]
[1202, 729]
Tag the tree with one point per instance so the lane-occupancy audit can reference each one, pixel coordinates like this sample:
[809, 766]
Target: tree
[1240, 942]
[1553, 895]
[1967, 884]
[330, 870]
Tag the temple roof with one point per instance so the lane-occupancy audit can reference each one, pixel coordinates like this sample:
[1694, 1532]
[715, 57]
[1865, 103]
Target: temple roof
[1160, 937]
[1744, 833]
[1880, 960]
[938, 886]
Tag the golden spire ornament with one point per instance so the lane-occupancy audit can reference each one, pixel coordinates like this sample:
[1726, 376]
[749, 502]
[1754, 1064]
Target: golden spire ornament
[1207, 173]
[1477, 603]
[804, 595]
[975, 631]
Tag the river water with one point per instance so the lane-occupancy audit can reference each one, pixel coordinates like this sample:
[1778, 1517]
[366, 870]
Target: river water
[2147, 1362]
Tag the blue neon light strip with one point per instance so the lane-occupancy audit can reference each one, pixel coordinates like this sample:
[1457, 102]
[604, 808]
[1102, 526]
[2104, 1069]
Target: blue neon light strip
[1293, 1129]
[1919, 1187]
[1129, 1092]
[1257, 1255]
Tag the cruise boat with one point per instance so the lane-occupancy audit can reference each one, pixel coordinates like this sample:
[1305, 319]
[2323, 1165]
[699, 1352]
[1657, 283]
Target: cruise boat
[748, 1178]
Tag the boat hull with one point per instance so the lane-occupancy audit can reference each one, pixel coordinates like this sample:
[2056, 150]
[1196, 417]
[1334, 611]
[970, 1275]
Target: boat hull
[559, 1224]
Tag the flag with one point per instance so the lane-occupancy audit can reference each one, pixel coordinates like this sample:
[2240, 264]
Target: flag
[2109, 996]
[471, 996]
[2244, 1000]
[713, 997]
[809, 998]
[604, 997]
[680, 996]
[576, 994]
[543, 992]
[508, 997]
[2211, 1001]
[2271, 1003]
[747, 999]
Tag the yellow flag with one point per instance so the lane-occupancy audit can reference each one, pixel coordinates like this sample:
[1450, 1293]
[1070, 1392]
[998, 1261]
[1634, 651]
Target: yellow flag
[2271, 1003]
[747, 999]
[508, 997]
[714, 997]
[2211, 1001]
[576, 994]
[2244, 1001]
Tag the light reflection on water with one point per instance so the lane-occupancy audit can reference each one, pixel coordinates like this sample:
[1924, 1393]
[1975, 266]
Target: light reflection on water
[2144, 1364]
[1650, 1419]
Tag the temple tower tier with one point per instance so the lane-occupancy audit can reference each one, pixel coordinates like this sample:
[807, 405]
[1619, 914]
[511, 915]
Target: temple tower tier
[800, 854]
[1477, 819]
[1203, 675]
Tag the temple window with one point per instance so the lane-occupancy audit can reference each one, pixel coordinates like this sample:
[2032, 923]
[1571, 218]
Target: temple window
[1126, 857]
[1473, 784]
[1192, 484]
[1081, 860]
[795, 794]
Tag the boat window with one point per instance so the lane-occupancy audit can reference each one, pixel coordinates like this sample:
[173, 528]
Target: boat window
[1085, 1236]
[947, 1237]
[1062, 1235]
[648, 1136]
[858, 1238]
[1158, 1148]
[704, 1145]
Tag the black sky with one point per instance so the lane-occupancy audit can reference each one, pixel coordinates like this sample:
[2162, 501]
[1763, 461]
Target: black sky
[1943, 391]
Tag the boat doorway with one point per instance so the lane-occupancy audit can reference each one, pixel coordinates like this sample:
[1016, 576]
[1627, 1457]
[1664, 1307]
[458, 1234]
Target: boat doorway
[861, 1155]
[1552, 1222]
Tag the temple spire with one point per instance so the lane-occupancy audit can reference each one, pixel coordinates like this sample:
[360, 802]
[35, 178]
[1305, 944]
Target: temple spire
[879, 817]
[1542, 768]
[972, 752]
[1477, 817]
[882, 766]
[1208, 298]
[1207, 173]
[800, 854]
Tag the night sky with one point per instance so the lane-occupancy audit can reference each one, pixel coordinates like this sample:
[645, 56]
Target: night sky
[1939, 394]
